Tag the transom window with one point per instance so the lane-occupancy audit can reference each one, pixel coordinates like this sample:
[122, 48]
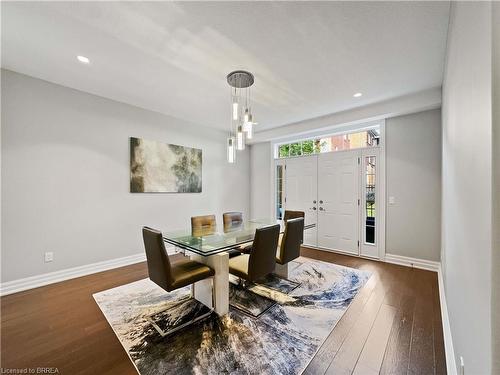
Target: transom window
[336, 142]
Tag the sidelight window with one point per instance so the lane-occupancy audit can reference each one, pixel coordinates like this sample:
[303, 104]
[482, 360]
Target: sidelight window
[370, 203]
[279, 191]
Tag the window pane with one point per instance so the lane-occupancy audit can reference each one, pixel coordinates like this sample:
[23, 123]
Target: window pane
[296, 149]
[307, 147]
[317, 146]
[357, 140]
[373, 137]
[279, 192]
[284, 151]
[325, 144]
[370, 199]
[339, 142]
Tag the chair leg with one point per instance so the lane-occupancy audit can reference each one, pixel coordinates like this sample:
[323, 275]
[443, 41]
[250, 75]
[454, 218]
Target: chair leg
[179, 250]
[243, 283]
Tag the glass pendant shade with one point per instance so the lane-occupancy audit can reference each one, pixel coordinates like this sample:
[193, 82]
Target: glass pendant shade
[249, 130]
[231, 150]
[240, 139]
[245, 126]
[235, 110]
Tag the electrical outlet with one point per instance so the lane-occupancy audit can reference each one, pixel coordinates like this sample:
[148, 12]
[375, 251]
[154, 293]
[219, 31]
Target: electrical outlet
[49, 256]
[462, 366]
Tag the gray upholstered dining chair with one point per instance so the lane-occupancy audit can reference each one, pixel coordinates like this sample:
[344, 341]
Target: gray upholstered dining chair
[292, 215]
[170, 275]
[262, 259]
[203, 225]
[289, 249]
[232, 220]
[289, 214]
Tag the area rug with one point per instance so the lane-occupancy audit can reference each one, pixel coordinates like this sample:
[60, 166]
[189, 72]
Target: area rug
[255, 299]
[281, 340]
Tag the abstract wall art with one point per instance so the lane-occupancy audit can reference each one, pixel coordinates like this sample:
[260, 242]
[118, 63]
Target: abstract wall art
[157, 167]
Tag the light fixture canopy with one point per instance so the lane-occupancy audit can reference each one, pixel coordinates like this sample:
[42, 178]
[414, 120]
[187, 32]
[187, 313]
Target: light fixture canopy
[240, 79]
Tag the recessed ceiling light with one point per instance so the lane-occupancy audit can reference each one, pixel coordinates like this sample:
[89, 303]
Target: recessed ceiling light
[83, 59]
[357, 95]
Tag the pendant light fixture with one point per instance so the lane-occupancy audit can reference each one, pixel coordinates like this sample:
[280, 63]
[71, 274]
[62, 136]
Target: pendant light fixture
[241, 112]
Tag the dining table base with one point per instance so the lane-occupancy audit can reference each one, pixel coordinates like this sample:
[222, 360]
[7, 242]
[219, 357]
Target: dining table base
[281, 270]
[202, 290]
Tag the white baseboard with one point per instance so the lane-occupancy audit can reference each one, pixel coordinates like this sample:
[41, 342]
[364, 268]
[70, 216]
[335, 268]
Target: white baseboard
[390, 258]
[413, 262]
[451, 366]
[70, 273]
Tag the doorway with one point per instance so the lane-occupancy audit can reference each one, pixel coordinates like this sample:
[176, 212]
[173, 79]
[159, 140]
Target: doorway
[340, 192]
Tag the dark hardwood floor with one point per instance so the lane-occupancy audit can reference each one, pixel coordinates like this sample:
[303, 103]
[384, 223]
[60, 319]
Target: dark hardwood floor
[394, 321]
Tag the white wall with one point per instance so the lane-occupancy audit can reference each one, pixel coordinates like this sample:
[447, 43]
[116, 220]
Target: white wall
[65, 177]
[413, 175]
[261, 194]
[467, 177]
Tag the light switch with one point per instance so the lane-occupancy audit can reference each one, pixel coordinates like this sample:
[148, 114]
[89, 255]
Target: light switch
[392, 200]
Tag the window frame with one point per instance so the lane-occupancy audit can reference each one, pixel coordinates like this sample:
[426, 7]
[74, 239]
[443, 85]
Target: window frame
[344, 133]
[279, 162]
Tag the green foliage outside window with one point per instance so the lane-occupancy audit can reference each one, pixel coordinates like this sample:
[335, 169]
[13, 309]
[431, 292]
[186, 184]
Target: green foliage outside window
[284, 151]
[317, 146]
[308, 147]
[296, 149]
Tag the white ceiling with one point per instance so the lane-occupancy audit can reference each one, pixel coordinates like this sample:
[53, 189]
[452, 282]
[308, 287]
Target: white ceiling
[308, 58]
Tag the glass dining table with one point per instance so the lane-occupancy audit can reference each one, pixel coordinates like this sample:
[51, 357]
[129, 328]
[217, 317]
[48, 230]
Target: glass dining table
[209, 242]
[211, 248]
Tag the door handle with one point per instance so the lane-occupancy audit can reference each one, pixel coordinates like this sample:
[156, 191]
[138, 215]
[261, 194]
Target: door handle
[321, 209]
[314, 202]
[314, 208]
[320, 202]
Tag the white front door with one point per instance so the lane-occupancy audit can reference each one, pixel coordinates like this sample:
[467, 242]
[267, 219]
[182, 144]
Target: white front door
[302, 190]
[338, 201]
